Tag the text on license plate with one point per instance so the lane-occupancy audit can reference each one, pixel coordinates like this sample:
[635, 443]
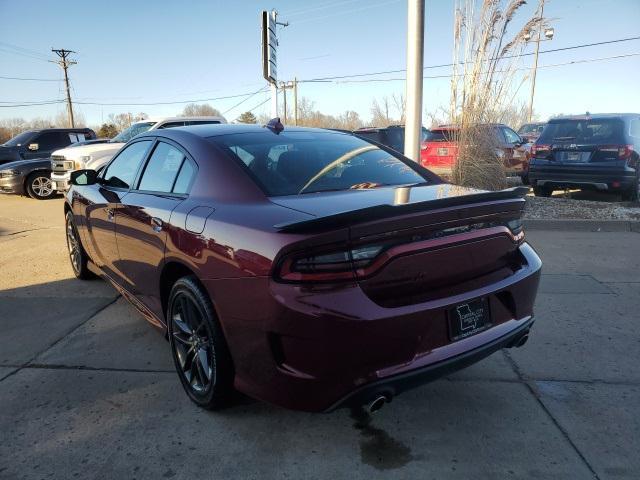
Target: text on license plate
[469, 318]
[443, 152]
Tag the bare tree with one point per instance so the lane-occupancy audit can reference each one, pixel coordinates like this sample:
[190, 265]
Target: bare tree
[200, 110]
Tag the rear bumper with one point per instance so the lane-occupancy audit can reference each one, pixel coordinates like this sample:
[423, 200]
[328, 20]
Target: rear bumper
[390, 387]
[12, 185]
[614, 179]
[317, 347]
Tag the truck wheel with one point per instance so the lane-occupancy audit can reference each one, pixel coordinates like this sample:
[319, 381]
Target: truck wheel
[542, 191]
[39, 185]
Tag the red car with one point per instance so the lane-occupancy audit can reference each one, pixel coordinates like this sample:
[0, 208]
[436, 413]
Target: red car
[304, 267]
[439, 152]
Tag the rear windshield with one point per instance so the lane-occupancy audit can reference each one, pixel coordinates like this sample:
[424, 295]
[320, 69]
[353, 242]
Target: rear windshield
[584, 132]
[531, 128]
[440, 135]
[293, 163]
[132, 131]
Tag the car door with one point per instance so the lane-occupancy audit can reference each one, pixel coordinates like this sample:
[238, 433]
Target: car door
[143, 224]
[46, 143]
[104, 199]
[514, 154]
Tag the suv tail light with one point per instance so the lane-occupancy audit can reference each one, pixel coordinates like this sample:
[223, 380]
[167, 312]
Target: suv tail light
[624, 151]
[540, 149]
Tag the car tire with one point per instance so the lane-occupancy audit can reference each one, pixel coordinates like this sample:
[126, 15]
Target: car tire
[77, 256]
[542, 191]
[198, 347]
[632, 194]
[39, 185]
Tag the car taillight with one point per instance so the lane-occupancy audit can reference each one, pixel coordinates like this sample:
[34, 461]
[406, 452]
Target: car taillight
[540, 149]
[327, 266]
[624, 151]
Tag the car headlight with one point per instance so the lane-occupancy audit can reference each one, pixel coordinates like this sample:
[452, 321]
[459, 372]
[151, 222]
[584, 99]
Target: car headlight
[80, 164]
[9, 173]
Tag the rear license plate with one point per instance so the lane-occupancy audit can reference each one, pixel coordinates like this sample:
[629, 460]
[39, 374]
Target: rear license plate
[468, 319]
[443, 152]
[573, 156]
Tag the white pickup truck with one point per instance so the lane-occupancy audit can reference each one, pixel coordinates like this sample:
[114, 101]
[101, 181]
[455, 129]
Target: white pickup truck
[66, 160]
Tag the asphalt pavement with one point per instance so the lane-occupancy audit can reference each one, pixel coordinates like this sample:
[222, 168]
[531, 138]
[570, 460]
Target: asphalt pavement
[87, 388]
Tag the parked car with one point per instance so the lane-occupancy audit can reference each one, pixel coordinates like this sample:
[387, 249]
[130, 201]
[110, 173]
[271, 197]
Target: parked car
[391, 136]
[599, 152]
[440, 149]
[531, 131]
[94, 156]
[41, 143]
[27, 177]
[304, 267]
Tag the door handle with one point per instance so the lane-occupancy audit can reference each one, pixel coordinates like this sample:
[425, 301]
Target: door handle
[109, 214]
[156, 224]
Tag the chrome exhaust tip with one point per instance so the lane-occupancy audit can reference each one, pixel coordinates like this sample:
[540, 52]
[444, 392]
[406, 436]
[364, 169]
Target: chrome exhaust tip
[376, 404]
[522, 340]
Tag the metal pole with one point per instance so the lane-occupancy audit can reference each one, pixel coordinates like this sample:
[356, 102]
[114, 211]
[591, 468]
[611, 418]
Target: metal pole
[535, 64]
[295, 101]
[415, 58]
[284, 98]
[274, 101]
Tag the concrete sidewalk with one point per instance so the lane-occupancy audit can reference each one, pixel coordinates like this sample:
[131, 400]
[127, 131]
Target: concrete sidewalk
[88, 388]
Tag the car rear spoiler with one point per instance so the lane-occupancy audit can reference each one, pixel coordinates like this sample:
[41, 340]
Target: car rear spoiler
[378, 212]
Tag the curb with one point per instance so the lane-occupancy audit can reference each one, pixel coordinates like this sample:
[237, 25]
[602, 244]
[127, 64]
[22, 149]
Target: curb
[582, 225]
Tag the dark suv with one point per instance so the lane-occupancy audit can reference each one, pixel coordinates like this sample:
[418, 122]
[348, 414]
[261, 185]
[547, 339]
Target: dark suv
[41, 143]
[589, 152]
[391, 136]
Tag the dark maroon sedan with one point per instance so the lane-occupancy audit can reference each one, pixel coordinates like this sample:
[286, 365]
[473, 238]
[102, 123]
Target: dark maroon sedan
[304, 267]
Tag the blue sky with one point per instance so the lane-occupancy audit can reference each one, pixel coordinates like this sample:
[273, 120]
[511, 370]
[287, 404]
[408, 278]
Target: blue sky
[138, 52]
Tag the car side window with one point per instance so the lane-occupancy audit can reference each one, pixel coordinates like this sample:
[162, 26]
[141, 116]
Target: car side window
[121, 172]
[634, 128]
[202, 122]
[171, 125]
[185, 177]
[51, 141]
[511, 136]
[161, 169]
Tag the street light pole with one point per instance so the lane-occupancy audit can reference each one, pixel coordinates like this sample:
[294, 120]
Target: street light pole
[535, 63]
[415, 59]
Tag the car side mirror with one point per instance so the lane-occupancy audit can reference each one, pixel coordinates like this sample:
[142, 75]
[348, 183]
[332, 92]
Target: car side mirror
[84, 177]
[33, 147]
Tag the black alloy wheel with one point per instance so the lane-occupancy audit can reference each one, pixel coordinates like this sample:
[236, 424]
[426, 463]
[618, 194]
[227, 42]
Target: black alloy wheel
[199, 351]
[77, 255]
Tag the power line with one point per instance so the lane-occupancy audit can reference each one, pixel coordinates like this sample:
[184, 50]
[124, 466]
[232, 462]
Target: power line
[32, 79]
[52, 102]
[167, 103]
[561, 49]
[244, 100]
[573, 62]
[24, 50]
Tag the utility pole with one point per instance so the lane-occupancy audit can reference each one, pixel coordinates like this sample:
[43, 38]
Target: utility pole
[535, 63]
[284, 86]
[415, 71]
[65, 63]
[295, 101]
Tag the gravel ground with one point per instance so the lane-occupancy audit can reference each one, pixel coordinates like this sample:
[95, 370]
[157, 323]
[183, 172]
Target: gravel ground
[561, 208]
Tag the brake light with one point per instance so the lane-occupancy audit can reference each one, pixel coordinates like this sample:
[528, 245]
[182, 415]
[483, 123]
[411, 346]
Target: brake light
[329, 266]
[542, 149]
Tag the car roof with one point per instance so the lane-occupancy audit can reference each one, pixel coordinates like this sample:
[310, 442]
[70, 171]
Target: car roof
[179, 119]
[40, 130]
[217, 129]
[594, 116]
